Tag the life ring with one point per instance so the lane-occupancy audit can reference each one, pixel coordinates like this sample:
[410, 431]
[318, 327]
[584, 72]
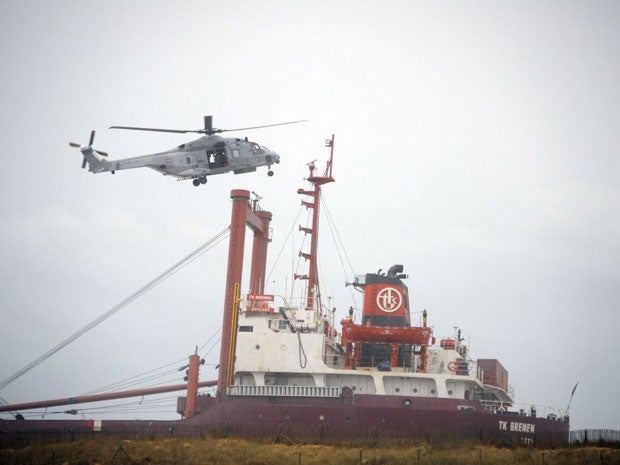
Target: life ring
[452, 367]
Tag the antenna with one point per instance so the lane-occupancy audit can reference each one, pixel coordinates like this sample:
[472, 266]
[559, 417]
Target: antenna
[571, 396]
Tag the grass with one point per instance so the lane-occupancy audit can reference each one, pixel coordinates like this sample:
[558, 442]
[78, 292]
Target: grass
[110, 450]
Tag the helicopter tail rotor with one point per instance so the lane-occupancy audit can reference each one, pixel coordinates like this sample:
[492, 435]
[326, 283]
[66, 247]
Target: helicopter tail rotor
[88, 149]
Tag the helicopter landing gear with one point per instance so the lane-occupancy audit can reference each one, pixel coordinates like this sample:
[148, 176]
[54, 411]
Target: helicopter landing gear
[269, 173]
[198, 181]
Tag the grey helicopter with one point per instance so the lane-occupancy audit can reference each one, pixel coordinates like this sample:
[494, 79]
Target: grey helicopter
[207, 156]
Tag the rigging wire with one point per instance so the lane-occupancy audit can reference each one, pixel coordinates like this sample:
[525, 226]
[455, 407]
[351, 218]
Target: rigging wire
[213, 346]
[147, 287]
[333, 230]
[290, 232]
[123, 407]
[120, 386]
[126, 381]
[209, 340]
[142, 378]
[332, 227]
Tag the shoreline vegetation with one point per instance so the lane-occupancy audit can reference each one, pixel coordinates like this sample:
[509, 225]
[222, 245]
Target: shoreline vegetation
[112, 450]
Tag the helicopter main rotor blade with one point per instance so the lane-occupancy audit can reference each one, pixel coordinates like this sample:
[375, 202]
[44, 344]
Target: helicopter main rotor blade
[259, 127]
[177, 131]
[208, 130]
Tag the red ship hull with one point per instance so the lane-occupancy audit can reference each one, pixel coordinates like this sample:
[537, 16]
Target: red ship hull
[372, 417]
[359, 417]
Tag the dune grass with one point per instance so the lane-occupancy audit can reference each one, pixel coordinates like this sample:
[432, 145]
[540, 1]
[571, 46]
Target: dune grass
[111, 450]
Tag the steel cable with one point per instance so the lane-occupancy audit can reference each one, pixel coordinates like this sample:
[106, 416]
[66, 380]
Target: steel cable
[147, 287]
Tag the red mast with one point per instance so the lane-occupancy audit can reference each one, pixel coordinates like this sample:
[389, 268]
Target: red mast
[244, 214]
[313, 231]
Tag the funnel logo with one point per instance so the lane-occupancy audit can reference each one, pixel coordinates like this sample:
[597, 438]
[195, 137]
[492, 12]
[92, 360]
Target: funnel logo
[389, 299]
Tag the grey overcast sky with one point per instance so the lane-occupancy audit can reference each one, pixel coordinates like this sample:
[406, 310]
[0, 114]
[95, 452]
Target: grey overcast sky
[476, 143]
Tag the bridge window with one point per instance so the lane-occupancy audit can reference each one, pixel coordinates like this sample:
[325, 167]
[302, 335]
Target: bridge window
[278, 324]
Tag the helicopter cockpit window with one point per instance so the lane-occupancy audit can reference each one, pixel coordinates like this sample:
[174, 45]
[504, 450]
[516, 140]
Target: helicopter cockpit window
[255, 148]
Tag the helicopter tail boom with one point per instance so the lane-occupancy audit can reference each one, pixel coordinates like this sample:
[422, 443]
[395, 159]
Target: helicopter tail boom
[96, 162]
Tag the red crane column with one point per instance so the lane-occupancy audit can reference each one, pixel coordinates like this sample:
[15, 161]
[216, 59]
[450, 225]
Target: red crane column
[233, 281]
[192, 385]
[259, 253]
[243, 213]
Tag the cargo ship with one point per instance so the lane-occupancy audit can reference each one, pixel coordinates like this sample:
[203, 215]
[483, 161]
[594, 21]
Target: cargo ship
[287, 371]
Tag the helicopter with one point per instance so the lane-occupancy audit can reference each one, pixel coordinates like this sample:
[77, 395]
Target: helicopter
[207, 156]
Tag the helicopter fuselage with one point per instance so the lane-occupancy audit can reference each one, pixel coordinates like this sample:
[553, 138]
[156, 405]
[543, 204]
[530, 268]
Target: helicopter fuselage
[197, 159]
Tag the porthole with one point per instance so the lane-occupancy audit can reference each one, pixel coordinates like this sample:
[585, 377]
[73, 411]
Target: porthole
[347, 418]
[432, 391]
[321, 417]
[397, 390]
[257, 346]
[407, 402]
[450, 392]
[287, 416]
[354, 388]
[415, 390]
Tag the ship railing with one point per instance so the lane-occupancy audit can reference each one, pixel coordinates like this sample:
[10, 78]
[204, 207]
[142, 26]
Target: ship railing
[525, 410]
[296, 303]
[284, 391]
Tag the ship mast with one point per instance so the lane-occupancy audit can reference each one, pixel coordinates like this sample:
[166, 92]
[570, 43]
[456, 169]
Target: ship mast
[313, 203]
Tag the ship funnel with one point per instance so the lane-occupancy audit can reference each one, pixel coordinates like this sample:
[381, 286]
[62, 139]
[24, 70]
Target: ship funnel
[394, 270]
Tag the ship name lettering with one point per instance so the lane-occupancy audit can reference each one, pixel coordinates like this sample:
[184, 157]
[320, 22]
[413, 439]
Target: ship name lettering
[517, 426]
[522, 427]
